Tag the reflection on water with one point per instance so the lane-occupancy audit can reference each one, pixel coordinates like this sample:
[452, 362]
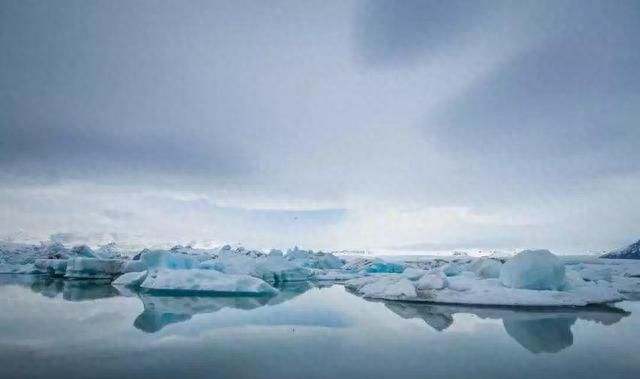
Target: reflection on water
[73, 290]
[160, 311]
[538, 330]
[52, 328]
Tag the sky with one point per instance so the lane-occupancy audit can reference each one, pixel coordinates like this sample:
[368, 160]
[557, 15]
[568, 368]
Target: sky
[351, 124]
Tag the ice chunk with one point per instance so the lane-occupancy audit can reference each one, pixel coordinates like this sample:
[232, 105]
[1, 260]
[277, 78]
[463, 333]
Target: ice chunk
[8, 268]
[163, 259]
[327, 261]
[452, 269]
[384, 287]
[83, 251]
[311, 259]
[130, 279]
[199, 280]
[134, 266]
[380, 266]
[273, 268]
[432, 280]
[400, 289]
[486, 267]
[91, 268]
[108, 251]
[53, 267]
[413, 273]
[26, 254]
[534, 270]
[596, 273]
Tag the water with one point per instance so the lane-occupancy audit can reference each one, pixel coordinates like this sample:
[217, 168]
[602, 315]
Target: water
[57, 329]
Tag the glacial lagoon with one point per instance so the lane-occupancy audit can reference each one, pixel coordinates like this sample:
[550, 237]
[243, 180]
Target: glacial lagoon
[52, 328]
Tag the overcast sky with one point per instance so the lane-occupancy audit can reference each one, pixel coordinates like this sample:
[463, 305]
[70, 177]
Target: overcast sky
[345, 124]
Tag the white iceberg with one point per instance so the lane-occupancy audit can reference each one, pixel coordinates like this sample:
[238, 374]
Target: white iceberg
[312, 259]
[205, 281]
[434, 281]
[541, 271]
[486, 267]
[92, 268]
[130, 279]
[533, 270]
[8, 268]
[163, 259]
[53, 267]
[272, 268]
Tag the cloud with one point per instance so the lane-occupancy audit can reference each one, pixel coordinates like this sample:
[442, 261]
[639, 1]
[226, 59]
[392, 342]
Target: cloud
[319, 122]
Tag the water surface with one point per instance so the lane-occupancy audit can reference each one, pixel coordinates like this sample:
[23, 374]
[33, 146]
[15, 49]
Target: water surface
[85, 329]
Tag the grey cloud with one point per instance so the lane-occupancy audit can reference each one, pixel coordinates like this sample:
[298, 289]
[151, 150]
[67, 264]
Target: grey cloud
[564, 109]
[340, 107]
[402, 32]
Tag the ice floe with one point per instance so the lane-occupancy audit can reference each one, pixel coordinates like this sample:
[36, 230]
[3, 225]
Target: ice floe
[530, 278]
[204, 281]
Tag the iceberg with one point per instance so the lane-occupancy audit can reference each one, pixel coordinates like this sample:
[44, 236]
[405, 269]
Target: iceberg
[272, 268]
[8, 268]
[452, 269]
[53, 267]
[83, 251]
[486, 267]
[130, 279]
[534, 278]
[311, 259]
[25, 254]
[205, 281]
[380, 266]
[533, 270]
[92, 268]
[163, 259]
[434, 281]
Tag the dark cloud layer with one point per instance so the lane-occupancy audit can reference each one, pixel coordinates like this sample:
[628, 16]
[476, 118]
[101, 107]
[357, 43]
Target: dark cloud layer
[395, 122]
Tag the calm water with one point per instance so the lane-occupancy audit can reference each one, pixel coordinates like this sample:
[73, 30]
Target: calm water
[57, 329]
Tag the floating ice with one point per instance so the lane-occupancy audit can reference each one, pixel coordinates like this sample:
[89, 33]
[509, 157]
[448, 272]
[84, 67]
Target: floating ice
[163, 259]
[91, 268]
[452, 269]
[273, 268]
[8, 268]
[534, 270]
[311, 259]
[201, 281]
[434, 280]
[83, 251]
[130, 279]
[380, 266]
[486, 267]
[53, 267]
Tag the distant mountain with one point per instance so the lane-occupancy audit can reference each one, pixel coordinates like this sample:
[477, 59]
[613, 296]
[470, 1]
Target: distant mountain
[630, 252]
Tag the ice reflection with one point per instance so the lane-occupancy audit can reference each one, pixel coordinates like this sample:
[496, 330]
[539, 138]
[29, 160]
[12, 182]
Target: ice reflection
[71, 290]
[160, 311]
[537, 330]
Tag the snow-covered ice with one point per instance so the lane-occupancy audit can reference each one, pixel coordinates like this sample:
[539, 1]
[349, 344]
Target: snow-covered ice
[536, 278]
[132, 279]
[52, 267]
[93, 268]
[533, 278]
[205, 281]
[534, 270]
